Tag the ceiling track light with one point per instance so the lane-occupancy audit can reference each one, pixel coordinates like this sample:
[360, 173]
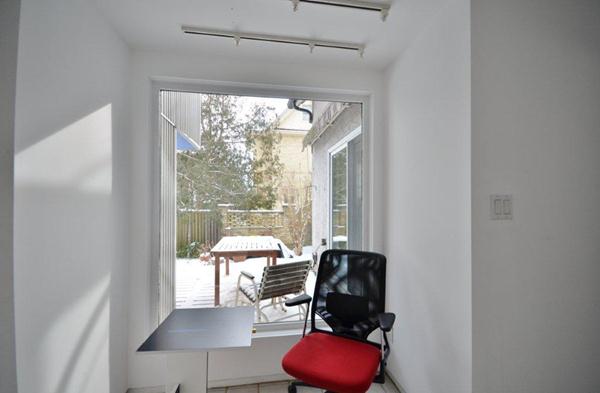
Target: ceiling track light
[383, 9]
[238, 36]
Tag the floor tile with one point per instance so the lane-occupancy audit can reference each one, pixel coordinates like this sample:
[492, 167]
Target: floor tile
[389, 386]
[273, 387]
[376, 388]
[281, 387]
[305, 389]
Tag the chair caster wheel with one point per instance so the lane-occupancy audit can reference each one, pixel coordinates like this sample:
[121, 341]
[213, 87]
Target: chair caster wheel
[292, 388]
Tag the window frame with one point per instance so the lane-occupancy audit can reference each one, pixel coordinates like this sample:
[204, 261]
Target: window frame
[255, 90]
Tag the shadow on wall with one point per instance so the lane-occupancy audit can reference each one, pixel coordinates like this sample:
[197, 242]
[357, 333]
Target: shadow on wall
[69, 251]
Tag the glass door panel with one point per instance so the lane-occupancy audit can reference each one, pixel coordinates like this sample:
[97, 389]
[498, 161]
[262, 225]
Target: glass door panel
[339, 198]
[345, 203]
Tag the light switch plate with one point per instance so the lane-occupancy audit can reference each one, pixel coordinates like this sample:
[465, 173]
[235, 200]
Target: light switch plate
[501, 207]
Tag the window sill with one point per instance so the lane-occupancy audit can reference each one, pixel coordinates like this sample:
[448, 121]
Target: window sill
[277, 333]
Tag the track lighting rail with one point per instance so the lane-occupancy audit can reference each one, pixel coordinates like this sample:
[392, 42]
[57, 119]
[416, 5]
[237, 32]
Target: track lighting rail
[239, 36]
[382, 8]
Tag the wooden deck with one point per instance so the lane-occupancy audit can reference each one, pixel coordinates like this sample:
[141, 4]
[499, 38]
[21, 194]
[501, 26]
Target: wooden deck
[195, 285]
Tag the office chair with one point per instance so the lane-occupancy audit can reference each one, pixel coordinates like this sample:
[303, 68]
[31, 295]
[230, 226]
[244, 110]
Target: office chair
[350, 297]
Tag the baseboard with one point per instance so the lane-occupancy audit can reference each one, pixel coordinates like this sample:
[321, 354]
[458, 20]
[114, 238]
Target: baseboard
[154, 389]
[150, 389]
[220, 383]
[393, 380]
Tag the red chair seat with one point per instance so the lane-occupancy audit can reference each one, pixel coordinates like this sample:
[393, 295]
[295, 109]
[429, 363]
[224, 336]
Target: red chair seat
[334, 363]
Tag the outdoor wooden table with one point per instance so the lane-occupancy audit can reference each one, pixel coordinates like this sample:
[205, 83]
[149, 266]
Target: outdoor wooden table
[246, 246]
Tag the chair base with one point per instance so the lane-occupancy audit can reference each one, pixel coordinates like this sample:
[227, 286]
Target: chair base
[380, 378]
[292, 387]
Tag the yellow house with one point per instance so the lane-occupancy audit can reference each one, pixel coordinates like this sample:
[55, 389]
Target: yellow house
[296, 176]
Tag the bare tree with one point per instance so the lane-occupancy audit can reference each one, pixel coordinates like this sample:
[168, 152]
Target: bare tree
[298, 212]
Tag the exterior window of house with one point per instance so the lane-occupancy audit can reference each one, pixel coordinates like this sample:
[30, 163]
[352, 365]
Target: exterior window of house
[339, 198]
[346, 194]
[244, 185]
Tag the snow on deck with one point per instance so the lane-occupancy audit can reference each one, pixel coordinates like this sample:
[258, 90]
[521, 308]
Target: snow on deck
[195, 284]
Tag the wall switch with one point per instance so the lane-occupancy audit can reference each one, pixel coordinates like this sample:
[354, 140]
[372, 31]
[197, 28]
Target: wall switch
[501, 207]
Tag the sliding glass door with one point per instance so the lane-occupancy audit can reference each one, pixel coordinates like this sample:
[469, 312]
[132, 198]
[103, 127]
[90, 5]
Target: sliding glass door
[339, 198]
[345, 201]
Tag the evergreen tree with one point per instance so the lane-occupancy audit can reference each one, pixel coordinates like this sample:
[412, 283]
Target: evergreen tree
[265, 167]
[238, 161]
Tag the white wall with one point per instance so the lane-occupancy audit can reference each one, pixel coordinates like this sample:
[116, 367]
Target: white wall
[235, 365]
[536, 135]
[71, 200]
[9, 31]
[428, 207]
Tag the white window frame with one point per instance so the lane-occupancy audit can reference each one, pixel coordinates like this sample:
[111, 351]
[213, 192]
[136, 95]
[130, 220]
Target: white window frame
[256, 90]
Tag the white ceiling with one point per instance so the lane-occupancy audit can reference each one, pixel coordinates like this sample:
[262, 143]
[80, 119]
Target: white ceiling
[156, 25]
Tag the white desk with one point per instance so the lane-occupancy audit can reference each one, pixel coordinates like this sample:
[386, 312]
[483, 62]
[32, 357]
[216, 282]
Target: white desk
[198, 330]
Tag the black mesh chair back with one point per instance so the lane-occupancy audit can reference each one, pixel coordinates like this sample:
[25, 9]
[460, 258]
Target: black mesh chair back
[350, 292]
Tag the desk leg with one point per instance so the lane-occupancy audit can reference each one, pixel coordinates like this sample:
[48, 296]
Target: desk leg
[172, 385]
[207, 353]
[217, 279]
[274, 259]
[226, 265]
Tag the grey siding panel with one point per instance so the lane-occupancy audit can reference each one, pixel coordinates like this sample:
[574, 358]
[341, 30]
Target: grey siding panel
[184, 109]
[168, 216]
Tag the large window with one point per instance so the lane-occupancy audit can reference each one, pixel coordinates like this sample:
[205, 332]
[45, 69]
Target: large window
[246, 198]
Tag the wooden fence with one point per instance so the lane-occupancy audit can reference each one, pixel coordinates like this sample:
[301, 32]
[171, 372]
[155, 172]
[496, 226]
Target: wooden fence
[202, 227]
[199, 230]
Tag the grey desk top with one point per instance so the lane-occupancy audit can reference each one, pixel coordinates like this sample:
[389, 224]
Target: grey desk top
[202, 329]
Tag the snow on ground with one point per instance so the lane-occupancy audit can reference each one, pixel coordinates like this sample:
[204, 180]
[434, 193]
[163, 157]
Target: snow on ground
[195, 285]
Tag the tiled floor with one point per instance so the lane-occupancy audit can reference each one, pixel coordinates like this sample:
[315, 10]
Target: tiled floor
[281, 387]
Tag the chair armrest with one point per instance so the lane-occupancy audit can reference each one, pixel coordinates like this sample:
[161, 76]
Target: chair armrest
[298, 300]
[247, 275]
[386, 321]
